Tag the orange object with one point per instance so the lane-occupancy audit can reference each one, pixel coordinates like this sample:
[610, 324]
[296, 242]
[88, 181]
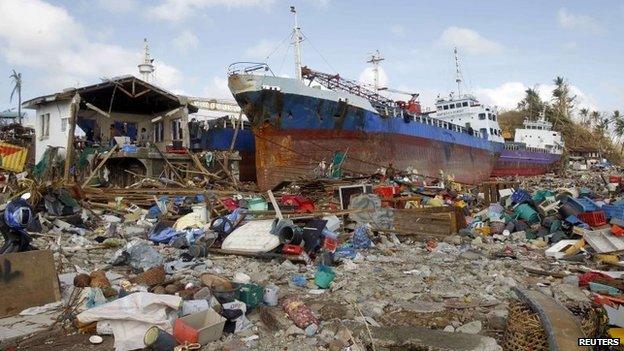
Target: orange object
[617, 230]
[593, 218]
[330, 244]
[183, 332]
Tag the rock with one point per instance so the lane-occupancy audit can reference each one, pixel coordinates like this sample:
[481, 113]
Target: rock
[519, 236]
[571, 279]
[294, 330]
[478, 241]
[449, 329]
[453, 239]
[497, 319]
[473, 327]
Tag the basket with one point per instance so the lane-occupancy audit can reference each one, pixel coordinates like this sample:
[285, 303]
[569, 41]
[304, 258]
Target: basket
[594, 218]
[524, 330]
[613, 211]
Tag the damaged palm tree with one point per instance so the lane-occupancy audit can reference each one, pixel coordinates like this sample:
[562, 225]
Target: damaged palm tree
[17, 87]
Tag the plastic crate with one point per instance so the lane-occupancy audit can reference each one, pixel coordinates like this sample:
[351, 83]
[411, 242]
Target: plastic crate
[615, 179]
[594, 218]
[583, 204]
[613, 211]
[520, 196]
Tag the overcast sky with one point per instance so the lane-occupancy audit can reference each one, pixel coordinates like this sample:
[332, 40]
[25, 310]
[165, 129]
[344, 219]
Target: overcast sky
[505, 46]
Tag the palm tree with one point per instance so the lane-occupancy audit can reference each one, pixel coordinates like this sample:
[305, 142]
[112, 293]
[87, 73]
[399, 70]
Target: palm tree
[618, 127]
[532, 104]
[585, 121]
[562, 101]
[17, 81]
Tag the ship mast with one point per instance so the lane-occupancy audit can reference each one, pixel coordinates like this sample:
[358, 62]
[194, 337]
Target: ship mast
[297, 43]
[146, 68]
[458, 79]
[374, 60]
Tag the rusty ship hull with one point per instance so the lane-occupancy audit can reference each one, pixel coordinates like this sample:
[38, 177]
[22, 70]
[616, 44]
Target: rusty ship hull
[297, 126]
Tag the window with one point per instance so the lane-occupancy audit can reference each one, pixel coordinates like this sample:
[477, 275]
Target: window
[64, 124]
[465, 104]
[44, 122]
[481, 115]
[446, 107]
[494, 117]
[159, 132]
[491, 131]
[176, 129]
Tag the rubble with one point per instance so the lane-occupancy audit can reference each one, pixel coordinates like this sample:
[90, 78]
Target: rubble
[324, 276]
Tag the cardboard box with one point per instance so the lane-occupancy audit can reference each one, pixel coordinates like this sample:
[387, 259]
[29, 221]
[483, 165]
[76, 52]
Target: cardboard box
[201, 327]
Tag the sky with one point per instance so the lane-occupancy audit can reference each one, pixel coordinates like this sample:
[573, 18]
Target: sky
[504, 46]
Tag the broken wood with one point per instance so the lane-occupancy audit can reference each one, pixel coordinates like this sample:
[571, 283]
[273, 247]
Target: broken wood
[69, 157]
[110, 153]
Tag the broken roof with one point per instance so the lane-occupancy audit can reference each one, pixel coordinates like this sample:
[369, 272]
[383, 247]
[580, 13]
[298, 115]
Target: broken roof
[127, 94]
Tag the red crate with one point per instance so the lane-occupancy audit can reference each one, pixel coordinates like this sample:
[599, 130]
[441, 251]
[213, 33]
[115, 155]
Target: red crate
[615, 179]
[594, 218]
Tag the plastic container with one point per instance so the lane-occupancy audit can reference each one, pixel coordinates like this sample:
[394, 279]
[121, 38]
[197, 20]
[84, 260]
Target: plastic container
[527, 213]
[520, 196]
[330, 244]
[201, 211]
[324, 276]
[270, 294]
[594, 218]
[387, 191]
[159, 340]
[583, 204]
[613, 211]
[617, 230]
[251, 294]
[257, 204]
[202, 327]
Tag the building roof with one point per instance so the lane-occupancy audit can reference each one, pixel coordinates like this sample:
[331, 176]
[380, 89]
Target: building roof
[127, 94]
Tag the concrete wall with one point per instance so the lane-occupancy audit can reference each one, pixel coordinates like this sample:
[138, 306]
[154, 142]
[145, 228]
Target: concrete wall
[56, 137]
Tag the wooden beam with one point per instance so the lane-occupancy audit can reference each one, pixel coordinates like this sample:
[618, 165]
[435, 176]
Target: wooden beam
[69, 157]
[96, 109]
[110, 153]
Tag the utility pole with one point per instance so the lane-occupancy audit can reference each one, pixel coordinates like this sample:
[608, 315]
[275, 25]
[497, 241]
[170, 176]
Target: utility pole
[297, 43]
[374, 60]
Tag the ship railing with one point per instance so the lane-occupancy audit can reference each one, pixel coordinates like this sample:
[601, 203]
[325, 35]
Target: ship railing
[244, 67]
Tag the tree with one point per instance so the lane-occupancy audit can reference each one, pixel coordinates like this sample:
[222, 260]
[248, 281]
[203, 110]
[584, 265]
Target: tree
[563, 102]
[17, 81]
[532, 104]
[585, 120]
[618, 127]
[594, 117]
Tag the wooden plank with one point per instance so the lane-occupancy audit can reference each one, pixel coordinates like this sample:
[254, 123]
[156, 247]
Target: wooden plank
[110, 153]
[27, 279]
[69, 157]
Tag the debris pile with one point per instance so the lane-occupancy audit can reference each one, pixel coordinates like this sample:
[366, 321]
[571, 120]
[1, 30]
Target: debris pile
[330, 264]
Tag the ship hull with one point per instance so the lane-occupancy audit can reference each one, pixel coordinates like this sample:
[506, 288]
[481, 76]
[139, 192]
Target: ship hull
[524, 163]
[296, 127]
[294, 154]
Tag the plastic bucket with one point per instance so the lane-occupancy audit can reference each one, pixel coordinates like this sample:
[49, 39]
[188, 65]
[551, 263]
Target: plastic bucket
[324, 276]
[201, 212]
[159, 340]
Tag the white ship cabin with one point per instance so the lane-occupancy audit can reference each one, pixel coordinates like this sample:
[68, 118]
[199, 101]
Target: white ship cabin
[466, 111]
[539, 134]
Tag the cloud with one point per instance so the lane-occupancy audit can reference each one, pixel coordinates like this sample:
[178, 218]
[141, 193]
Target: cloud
[261, 50]
[469, 41]
[186, 41]
[35, 34]
[571, 45]
[178, 10]
[583, 23]
[119, 6]
[507, 95]
[368, 77]
[398, 30]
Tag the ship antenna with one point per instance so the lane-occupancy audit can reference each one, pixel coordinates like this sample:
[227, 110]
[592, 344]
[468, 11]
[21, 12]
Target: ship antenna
[146, 68]
[297, 42]
[458, 79]
[374, 60]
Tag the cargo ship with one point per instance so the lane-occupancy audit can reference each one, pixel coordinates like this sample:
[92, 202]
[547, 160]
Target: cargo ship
[536, 149]
[299, 123]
